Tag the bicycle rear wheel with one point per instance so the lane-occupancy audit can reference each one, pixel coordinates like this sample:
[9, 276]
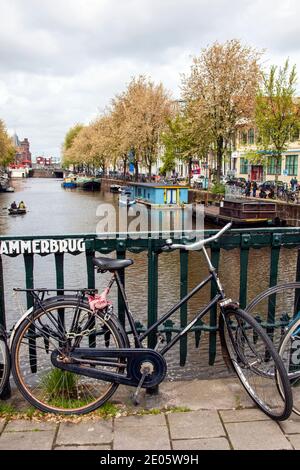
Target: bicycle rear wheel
[4, 364]
[256, 363]
[62, 326]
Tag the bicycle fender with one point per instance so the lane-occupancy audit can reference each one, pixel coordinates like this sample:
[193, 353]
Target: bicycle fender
[16, 325]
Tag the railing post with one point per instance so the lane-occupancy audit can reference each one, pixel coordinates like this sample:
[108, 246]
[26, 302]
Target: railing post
[6, 392]
[29, 263]
[152, 291]
[244, 259]
[275, 253]
[121, 254]
[184, 309]
[2, 303]
[215, 256]
[152, 299]
[59, 270]
[297, 293]
[90, 253]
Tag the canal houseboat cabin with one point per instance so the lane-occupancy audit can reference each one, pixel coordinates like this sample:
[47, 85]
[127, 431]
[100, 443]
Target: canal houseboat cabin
[156, 194]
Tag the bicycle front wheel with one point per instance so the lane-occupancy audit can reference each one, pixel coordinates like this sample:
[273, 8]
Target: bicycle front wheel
[62, 326]
[256, 363]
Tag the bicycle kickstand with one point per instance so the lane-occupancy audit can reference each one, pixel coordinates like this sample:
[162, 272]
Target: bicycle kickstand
[146, 369]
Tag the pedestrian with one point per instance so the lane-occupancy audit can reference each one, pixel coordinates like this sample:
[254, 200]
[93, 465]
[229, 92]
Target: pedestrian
[255, 187]
[293, 183]
[248, 188]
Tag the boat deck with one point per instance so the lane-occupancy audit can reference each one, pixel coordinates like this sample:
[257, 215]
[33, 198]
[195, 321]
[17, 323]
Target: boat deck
[212, 213]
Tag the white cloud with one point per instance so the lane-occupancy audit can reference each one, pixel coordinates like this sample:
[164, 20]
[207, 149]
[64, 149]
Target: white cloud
[61, 61]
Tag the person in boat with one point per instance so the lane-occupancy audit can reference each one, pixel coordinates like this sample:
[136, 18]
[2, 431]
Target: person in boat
[13, 205]
[22, 205]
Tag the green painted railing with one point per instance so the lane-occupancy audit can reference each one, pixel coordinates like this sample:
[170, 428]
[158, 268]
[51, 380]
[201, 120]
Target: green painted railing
[244, 240]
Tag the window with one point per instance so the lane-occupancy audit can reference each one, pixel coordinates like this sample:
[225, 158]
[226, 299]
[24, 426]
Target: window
[251, 136]
[243, 137]
[244, 166]
[274, 166]
[291, 165]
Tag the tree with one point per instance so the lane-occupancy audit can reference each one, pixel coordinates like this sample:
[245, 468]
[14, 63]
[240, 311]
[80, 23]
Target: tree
[277, 112]
[7, 149]
[220, 91]
[142, 111]
[178, 143]
[69, 139]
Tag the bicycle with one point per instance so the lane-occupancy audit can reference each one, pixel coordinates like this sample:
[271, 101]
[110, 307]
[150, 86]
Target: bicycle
[70, 352]
[279, 309]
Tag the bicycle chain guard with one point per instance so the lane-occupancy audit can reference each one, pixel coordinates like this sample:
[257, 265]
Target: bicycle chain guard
[132, 360]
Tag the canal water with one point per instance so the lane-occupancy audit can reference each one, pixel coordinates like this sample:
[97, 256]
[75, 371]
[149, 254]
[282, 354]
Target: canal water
[55, 211]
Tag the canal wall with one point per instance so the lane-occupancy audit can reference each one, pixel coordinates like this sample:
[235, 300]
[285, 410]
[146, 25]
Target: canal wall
[107, 182]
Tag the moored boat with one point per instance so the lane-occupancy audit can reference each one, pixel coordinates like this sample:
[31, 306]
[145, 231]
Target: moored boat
[89, 183]
[16, 211]
[115, 188]
[70, 182]
[125, 200]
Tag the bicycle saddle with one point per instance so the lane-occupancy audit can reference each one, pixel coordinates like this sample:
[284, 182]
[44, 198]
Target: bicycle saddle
[111, 264]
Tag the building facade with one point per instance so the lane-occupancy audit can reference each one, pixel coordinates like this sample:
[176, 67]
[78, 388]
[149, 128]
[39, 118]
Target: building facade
[266, 167]
[23, 154]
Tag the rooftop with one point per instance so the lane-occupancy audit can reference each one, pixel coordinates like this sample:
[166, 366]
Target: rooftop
[159, 185]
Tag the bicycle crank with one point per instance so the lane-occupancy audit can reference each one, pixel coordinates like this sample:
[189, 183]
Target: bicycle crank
[142, 368]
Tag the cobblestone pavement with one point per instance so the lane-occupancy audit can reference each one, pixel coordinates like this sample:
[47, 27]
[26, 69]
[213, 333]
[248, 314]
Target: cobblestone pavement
[210, 427]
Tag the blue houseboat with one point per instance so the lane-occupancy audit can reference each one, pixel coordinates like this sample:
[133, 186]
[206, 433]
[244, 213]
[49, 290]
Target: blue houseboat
[160, 195]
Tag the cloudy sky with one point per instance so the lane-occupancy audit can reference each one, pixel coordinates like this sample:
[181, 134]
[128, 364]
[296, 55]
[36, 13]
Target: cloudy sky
[61, 61]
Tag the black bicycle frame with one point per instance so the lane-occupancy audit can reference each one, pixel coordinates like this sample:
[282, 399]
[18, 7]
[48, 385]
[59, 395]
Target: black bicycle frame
[138, 338]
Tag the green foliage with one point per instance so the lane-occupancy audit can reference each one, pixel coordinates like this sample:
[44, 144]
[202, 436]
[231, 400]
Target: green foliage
[69, 139]
[6, 409]
[71, 134]
[277, 113]
[179, 143]
[108, 410]
[7, 149]
[58, 385]
[218, 188]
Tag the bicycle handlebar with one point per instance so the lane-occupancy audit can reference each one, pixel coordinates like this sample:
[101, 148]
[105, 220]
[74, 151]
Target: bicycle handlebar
[197, 245]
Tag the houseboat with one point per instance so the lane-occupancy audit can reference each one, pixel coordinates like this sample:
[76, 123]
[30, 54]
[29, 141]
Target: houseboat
[159, 195]
[19, 171]
[88, 183]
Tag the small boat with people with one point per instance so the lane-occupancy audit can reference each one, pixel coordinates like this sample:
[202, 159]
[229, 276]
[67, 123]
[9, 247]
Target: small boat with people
[15, 209]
